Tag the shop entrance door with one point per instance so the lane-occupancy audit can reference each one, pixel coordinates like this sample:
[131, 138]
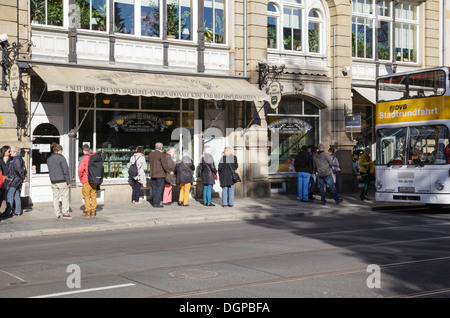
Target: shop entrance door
[43, 137]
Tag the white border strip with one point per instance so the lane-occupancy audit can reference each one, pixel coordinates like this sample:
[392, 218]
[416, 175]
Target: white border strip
[83, 291]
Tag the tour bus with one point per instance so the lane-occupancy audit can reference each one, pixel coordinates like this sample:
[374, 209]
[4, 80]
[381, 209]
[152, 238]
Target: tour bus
[412, 137]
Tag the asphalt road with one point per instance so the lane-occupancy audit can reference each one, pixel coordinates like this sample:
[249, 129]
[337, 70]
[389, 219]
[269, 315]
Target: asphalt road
[385, 253]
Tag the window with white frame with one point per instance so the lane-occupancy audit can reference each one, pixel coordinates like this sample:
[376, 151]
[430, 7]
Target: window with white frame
[295, 26]
[314, 27]
[179, 19]
[214, 21]
[47, 12]
[272, 26]
[91, 14]
[364, 20]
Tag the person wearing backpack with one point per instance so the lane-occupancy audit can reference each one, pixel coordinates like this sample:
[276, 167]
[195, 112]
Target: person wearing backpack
[137, 173]
[89, 190]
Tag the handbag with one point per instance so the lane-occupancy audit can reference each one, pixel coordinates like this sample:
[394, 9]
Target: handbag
[215, 176]
[234, 175]
[1, 178]
[192, 177]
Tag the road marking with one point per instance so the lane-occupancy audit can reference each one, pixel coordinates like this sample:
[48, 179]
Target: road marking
[12, 275]
[83, 291]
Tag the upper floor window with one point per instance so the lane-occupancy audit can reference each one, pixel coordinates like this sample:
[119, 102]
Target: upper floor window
[295, 26]
[272, 26]
[314, 26]
[406, 30]
[150, 13]
[215, 22]
[47, 12]
[179, 19]
[124, 16]
[91, 14]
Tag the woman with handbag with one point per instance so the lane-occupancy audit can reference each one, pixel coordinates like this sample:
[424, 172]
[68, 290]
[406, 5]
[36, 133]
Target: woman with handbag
[4, 165]
[171, 179]
[227, 176]
[366, 170]
[209, 175]
[17, 174]
[184, 170]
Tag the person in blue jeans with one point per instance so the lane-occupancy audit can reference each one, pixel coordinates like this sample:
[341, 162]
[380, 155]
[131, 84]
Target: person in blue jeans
[303, 165]
[322, 163]
[209, 175]
[17, 174]
[227, 166]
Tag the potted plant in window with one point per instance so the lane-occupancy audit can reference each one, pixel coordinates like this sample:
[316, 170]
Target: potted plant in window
[272, 36]
[172, 21]
[37, 11]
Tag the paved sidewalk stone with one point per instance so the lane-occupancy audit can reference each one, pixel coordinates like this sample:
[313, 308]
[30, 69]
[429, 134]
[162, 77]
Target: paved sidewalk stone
[39, 219]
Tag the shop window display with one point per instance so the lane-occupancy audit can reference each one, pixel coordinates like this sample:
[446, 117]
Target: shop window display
[294, 124]
[117, 131]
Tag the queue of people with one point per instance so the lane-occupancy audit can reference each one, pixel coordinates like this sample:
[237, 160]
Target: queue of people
[165, 173]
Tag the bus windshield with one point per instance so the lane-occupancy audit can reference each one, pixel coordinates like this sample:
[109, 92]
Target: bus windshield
[416, 85]
[417, 145]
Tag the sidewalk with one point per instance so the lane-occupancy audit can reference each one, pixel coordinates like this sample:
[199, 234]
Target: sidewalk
[39, 219]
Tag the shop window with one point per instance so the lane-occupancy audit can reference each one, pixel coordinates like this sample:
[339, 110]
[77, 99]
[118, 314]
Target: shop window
[47, 12]
[91, 14]
[215, 21]
[160, 103]
[117, 101]
[294, 124]
[43, 137]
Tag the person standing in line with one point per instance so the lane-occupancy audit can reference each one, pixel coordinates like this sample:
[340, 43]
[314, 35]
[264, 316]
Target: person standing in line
[4, 165]
[58, 170]
[89, 190]
[139, 159]
[334, 166]
[209, 175]
[17, 174]
[227, 166]
[323, 164]
[312, 180]
[158, 170]
[303, 165]
[366, 170]
[171, 179]
[184, 170]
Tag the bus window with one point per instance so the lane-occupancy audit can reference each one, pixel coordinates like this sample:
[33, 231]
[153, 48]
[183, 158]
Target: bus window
[391, 146]
[393, 88]
[427, 84]
[427, 145]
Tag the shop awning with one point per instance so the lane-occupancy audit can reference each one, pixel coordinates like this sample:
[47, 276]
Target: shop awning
[102, 81]
[367, 93]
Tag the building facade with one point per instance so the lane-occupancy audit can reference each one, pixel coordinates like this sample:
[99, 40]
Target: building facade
[116, 74]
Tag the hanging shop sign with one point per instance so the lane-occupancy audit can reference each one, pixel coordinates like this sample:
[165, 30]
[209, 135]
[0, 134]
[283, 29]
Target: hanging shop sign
[138, 122]
[353, 124]
[14, 81]
[290, 125]
[274, 91]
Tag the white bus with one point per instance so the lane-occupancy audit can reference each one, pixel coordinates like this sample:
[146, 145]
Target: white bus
[412, 130]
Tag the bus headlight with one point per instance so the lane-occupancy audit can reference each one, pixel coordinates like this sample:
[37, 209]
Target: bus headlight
[378, 184]
[439, 185]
